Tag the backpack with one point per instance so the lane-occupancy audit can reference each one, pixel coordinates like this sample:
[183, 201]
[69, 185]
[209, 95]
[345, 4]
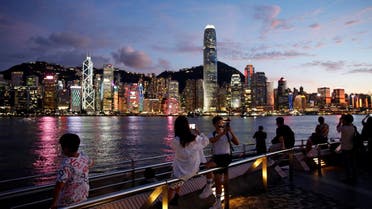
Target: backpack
[357, 140]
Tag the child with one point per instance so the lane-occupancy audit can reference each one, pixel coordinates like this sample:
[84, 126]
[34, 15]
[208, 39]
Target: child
[72, 175]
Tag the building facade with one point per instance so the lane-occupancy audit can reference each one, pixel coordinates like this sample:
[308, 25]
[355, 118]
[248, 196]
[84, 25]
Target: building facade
[210, 69]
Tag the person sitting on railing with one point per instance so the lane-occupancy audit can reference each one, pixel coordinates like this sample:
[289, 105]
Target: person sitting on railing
[72, 176]
[188, 154]
[321, 131]
[221, 138]
[285, 137]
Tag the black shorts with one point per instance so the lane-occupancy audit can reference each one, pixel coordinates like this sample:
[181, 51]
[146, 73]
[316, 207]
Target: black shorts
[222, 161]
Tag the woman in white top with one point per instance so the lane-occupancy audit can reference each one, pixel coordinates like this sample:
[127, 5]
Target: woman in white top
[188, 149]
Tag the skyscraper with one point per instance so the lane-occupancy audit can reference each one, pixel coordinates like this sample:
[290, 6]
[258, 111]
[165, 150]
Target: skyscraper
[236, 91]
[210, 69]
[88, 98]
[108, 81]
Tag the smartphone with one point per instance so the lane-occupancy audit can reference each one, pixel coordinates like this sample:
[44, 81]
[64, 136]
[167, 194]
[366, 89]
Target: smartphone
[192, 125]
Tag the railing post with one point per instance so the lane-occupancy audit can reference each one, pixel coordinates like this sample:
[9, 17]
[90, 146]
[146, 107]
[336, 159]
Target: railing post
[264, 172]
[244, 150]
[291, 165]
[226, 188]
[165, 197]
[319, 162]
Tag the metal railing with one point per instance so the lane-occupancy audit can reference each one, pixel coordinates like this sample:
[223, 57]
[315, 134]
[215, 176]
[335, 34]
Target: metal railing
[161, 187]
[133, 173]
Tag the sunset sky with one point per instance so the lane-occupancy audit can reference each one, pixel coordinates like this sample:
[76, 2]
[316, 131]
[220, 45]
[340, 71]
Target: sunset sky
[312, 44]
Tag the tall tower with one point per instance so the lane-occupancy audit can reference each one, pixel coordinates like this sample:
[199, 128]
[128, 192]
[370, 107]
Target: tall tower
[87, 86]
[210, 69]
[108, 83]
[236, 91]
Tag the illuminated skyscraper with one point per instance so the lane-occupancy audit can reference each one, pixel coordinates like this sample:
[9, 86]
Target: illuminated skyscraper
[259, 89]
[248, 85]
[282, 100]
[17, 78]
[50, 93]
[338, 97]
[88, 99]
[210, 69]
[75, 99]
[248, 74]
[108, 82]
[325, 96]
[270, 95]
[236, 91]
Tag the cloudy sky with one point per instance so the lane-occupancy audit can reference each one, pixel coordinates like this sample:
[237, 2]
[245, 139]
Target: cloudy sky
[312, 44]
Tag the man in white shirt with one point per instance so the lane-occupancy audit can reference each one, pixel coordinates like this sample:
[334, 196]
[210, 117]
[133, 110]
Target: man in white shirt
[222, 139]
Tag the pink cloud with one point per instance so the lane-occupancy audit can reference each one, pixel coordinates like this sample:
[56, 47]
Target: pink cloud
[132, 58]
[327, 65]
[268, 15]
[315, 26]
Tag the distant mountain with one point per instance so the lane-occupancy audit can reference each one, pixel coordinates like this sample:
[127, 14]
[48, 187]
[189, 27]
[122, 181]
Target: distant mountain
[224, 74]
[41, 69]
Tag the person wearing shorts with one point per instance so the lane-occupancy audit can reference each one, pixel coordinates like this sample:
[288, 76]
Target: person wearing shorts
[221, 139]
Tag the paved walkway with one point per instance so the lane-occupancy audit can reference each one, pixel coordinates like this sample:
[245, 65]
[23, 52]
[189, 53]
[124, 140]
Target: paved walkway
[308, 190]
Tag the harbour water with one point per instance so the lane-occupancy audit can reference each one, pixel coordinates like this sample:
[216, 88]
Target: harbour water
[29, 146]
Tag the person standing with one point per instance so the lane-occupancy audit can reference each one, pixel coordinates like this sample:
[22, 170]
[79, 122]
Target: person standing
[72, 184]
[222, 139]
[260, 137]
[284, 134]
[367, 136]
[347, 130]
[188, 154]
[322, 130]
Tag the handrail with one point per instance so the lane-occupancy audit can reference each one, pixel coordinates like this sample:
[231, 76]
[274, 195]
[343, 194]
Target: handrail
[136, 161]
[163, 185]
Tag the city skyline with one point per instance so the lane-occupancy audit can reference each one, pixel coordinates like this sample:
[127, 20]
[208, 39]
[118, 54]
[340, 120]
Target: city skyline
[311, 44]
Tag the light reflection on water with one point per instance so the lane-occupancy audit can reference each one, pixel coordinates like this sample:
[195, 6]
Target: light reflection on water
[29, 146]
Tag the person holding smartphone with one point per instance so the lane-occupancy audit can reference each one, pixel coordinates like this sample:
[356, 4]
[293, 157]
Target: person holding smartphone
[188, 145]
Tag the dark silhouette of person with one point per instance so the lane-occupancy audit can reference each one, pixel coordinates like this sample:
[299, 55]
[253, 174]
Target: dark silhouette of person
[260, 137]
[321, 131]
[284, 134]
[367, 136]
[347, 130]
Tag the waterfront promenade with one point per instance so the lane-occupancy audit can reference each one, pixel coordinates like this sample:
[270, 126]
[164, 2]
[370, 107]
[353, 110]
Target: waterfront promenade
[306, 191]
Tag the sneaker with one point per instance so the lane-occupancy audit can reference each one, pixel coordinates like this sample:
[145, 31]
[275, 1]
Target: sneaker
[216, 205]
[207, 191]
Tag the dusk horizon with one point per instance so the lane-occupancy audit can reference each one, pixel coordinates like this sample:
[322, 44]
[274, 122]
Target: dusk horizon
[311, 44]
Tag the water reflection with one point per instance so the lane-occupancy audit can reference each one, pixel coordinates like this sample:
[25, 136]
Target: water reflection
[46, 149]
[169, 138]
[110, 140]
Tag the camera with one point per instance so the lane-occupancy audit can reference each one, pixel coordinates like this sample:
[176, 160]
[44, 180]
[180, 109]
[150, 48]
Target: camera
[192, 125]
[227, 125]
